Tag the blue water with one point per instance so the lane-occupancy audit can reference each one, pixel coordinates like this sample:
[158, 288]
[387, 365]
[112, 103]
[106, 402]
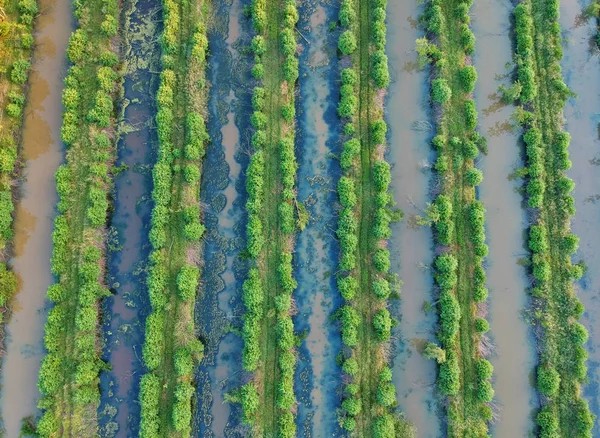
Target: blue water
[318, 132]
[219, 306]
[124, 313]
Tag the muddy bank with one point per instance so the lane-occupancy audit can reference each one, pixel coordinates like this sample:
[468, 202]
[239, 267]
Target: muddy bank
[317, 251]
[219, 307]
[581, 70]
[514, 358]
[410, 129]
[42, 153]
[125, 312]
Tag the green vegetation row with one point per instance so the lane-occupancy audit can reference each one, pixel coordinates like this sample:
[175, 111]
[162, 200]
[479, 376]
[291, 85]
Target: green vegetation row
[16, 41]
[268, 399]
[68, 379]
[171, 349]
[364, 280]
[542, 93]
[458, 220]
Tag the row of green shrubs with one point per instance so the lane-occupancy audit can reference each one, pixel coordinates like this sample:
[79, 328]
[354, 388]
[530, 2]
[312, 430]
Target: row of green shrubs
[175, 227]
[15, 46]
[348, 282]
[456, 154]
[562, 362]
[253, 289]
[69, 372]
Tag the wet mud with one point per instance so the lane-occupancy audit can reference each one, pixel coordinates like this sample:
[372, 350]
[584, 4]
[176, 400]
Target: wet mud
[124, 313]
[512, 350]
[410, 130]
[219, 307]
[318, 380]
[42, 153]
[581, 71]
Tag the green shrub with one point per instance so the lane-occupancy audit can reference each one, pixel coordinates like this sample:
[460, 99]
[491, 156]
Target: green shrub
[349, 77]
[468, 77]
[347, 287]
[258, 45]
[380, 73]
[548, 380]
[435, 19]
[378, 131]
[347, 14]
[381, 260]
[187, 281]
[290, 69]
[449, 375]
[473, 176]
[467, 39]
[481, 325]
[381, 288]
[485, 392]
[347, 42]
[386, 394]
[258, 71]
[19, 71]
[441, 92]
[109, 26]
[77, 46]
[382, 323]
[352, 406]
[350, 366]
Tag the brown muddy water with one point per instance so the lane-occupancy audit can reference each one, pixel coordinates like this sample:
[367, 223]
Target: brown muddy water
[581, 70]
[514, 358]
[41, 152]
[408, 117]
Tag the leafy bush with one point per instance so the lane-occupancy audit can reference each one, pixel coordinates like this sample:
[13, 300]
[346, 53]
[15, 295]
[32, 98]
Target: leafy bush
[347, 42]
[473, 176]
[19, 71]
[468, 77]
[187, 281]
[347, 14]
[481, 325]
[441, 92]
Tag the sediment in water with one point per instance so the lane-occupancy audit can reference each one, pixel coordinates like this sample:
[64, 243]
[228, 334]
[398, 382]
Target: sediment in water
[41, 151]
[219, 307]
[318, 133]
[512, 349]
[125, 311]
[410, 130]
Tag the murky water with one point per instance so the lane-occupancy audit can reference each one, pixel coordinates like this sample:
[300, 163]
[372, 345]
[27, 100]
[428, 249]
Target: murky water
[222, 193]
[42, 153]
[317, 376]
[581, 70]
[126, 309]
[514, 359]
[408, 118]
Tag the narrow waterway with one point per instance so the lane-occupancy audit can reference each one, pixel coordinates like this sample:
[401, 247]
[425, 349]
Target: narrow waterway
[581, 70]
[125, 312]
[514, 355]
[317, 375]
[219, 306]
[410, 130]
[41, 152]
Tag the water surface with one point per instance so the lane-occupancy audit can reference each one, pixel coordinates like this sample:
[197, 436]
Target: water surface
[41, 151]
[410, 129]
[581, 70]
[512, 354]
[317, 251]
